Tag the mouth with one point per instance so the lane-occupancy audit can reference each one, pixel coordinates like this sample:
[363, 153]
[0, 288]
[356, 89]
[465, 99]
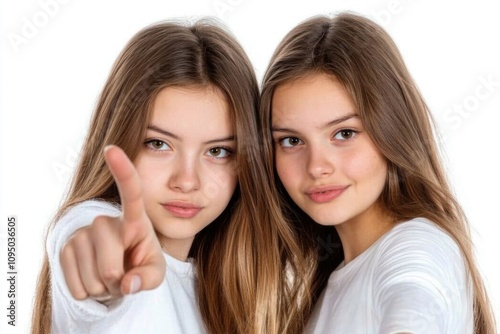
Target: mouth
[182, 209]
[325, 194]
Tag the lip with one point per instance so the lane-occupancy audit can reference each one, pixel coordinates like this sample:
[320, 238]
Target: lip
[182, 209]
[325, 194]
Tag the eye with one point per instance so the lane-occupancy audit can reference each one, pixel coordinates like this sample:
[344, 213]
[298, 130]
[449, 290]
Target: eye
[345, 134]
[157, 145]
[290, 142]
[219, 152]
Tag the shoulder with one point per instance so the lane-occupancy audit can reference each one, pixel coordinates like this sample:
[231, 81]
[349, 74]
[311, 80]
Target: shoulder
[417, 228]
[419, 238]
[420, 271]
[419, 252]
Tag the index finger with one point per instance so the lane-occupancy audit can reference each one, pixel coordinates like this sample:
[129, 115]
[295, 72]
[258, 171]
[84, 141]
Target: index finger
[128, 182]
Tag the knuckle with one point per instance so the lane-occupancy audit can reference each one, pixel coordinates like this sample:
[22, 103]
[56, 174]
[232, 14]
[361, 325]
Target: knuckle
[111, 276]
[66, 253]
[103, 225]
[79, 239]
[100, 222]
[79, 294]
[96, 290]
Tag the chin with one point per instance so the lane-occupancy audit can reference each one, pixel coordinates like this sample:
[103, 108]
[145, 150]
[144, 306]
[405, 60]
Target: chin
[328, 219]
[329, 223]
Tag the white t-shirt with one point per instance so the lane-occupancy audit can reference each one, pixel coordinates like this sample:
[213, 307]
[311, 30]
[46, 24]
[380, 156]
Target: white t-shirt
[411, 280]
[170, 308]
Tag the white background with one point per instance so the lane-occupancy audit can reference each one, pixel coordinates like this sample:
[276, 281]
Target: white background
[54, 61]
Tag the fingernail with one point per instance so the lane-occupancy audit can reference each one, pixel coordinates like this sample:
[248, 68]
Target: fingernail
[106, 148]
[135, 284]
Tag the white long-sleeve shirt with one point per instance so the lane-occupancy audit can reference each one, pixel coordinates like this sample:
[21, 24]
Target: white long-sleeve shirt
[412, 280]
[170, 308]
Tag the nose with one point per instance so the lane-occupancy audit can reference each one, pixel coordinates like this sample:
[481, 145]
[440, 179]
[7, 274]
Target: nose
[319, 163]
[184, 177]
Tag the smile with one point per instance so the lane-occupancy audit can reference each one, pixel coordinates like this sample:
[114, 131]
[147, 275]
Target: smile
[325, 194]
[182, 209]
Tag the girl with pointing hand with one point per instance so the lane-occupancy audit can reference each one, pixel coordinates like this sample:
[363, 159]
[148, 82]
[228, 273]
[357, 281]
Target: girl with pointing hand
[170, 218]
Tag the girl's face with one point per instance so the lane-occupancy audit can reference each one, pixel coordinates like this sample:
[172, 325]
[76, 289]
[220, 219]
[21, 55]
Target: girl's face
[324, 158]
[187, 164]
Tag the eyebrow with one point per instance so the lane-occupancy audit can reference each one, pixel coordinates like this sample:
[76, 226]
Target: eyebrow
[325, 126]
[339, 120]
[163, 132]
[170, 134]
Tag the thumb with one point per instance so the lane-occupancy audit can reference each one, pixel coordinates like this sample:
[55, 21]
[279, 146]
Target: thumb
[146, 276]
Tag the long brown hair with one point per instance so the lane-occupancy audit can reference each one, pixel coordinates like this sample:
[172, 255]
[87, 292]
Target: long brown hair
[240, 257]
[364, 58]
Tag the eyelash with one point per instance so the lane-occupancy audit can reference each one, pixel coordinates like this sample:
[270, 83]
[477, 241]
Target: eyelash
[351, 131]
[353, 134]
[148, 143]
[229, 151]
[282, 139]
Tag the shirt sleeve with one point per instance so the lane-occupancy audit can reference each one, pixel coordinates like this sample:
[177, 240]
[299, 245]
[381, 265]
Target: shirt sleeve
[421, 283]
[69, 314]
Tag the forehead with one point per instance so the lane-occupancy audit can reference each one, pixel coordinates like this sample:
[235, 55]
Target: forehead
[315, 96]
[192, 110]
[189, 95]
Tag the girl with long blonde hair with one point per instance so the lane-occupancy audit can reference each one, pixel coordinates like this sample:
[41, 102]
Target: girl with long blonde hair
[353, 146]
[171, 173]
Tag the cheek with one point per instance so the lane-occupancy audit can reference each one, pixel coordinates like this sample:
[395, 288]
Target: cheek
[287, 170]
[230, 185]
[151, 175]
[220, 184]
[369, 168]
[381, 174]
[377, 169]
[223, 192]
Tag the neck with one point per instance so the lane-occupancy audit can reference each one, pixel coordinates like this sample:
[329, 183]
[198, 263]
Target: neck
[178, 249]
[359, 233]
